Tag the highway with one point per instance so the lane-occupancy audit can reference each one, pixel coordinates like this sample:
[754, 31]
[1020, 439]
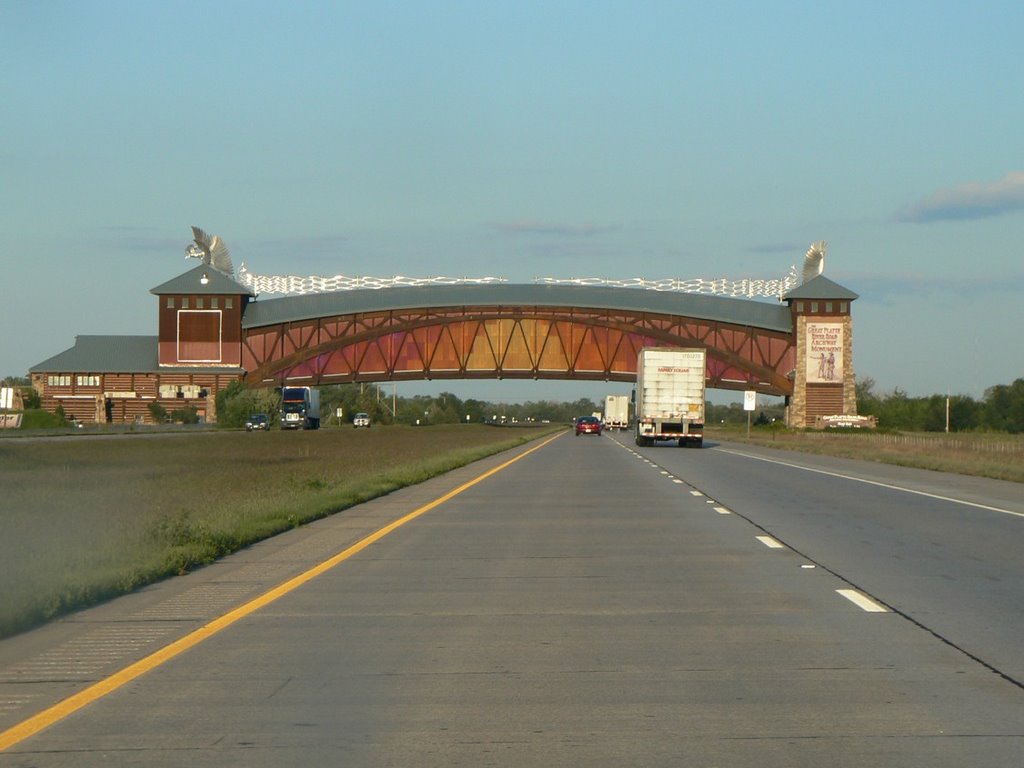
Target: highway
[581, 602]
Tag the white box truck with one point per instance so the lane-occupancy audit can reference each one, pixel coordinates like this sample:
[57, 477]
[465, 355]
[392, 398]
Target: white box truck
[616, 412]
[300, 408]
[670, 395]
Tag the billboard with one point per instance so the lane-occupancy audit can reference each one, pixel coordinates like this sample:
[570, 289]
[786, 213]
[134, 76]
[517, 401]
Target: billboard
[824, 344]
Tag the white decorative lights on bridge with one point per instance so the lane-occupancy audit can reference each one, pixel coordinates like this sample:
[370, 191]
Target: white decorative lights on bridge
[721, 287]
[291, 284]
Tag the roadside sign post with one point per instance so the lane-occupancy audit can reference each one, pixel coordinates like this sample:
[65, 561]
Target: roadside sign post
[749, 404]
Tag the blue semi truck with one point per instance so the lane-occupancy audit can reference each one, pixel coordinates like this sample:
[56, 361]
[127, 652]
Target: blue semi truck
[300, 408]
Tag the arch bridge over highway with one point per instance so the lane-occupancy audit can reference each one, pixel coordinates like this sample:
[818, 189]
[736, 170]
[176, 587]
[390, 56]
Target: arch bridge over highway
[214, 331]
[512, 331]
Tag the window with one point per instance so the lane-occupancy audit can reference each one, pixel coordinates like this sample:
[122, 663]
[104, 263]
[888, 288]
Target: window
[170, 302]
[214, 303]
[229, 303]
[799, 306]
[63, 380]
[814, 306]
[828, 307]
[842, 307]
[87, 381]
[199, 335]
[199, 302]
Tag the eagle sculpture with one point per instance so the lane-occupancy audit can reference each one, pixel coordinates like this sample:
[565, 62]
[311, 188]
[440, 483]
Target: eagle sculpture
[211, 249]
[814, 261]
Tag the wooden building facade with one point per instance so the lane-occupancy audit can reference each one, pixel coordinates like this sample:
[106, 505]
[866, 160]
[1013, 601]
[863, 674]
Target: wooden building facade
[197, 353]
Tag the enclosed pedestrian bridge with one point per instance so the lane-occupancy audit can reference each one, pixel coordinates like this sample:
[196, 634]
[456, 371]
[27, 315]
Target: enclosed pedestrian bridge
[511, 331]
[215, 327]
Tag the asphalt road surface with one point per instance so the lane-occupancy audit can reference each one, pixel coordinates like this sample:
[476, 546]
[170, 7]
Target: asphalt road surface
[590, 604]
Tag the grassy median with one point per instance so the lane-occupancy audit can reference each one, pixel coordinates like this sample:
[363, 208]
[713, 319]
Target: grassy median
[85, 519]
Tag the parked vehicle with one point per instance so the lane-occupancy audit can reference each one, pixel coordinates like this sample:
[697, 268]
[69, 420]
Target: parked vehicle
[300, 408]
[361, 420]
[588, 425]
[257, 421]
[616, 412]
[670, 395]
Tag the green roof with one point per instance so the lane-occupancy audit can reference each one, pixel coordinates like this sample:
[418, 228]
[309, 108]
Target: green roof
[821, 287]
[771, 316]
[114, 354]
[191, 283]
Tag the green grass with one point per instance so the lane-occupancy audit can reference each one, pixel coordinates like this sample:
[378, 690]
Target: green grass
[996, 456]
[40, 419]
[86, 519]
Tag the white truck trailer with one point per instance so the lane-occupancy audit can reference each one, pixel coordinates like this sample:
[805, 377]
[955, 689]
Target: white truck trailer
[670, 395]
[616, 412]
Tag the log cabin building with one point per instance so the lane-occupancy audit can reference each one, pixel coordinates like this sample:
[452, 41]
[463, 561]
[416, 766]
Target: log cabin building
[197, 352]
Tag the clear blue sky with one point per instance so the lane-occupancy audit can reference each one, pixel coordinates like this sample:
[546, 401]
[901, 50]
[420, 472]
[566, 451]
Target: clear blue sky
[524, 139]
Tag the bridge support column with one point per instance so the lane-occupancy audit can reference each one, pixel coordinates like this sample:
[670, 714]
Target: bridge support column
[823, 381]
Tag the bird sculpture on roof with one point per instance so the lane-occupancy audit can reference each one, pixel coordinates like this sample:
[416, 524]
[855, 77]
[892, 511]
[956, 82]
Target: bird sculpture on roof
[814, 261]
[212, 251]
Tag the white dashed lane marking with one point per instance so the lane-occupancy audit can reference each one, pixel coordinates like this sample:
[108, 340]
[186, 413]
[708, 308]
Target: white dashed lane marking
[862, 602]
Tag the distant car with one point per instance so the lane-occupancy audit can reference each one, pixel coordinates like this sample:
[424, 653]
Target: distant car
[257, 421]
[590, 425]
[361, 420]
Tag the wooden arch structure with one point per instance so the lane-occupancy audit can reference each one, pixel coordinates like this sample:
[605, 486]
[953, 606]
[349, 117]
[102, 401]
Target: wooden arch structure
[514, 332]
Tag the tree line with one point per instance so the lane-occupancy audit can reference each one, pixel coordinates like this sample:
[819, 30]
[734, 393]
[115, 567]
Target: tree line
[1000, 410]
[236, 402]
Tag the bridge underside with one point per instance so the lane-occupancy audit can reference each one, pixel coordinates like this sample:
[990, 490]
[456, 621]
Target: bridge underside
[507, 342]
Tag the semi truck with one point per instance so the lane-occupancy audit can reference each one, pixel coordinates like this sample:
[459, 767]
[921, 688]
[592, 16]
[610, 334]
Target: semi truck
[300, 408]
[616, 412]
[669, 395]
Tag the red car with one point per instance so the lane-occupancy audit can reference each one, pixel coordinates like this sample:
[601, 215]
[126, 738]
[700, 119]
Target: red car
[590, 425]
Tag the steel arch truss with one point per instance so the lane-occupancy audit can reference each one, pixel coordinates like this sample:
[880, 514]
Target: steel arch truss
[508, 342]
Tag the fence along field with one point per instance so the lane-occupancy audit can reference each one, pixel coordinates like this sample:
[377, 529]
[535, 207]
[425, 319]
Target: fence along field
[85, 519]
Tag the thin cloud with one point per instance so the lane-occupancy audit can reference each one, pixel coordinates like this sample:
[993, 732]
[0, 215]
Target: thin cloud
[309, 247]
[536, 227]
[887, 290]
[973, 200]
[797, 249]
[136, 240]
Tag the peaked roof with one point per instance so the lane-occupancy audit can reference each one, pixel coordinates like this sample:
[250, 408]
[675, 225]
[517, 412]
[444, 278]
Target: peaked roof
[191, 283]
[820, 287]
[104, 354]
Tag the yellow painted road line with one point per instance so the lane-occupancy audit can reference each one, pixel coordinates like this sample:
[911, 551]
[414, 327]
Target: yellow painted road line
[98, 690]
